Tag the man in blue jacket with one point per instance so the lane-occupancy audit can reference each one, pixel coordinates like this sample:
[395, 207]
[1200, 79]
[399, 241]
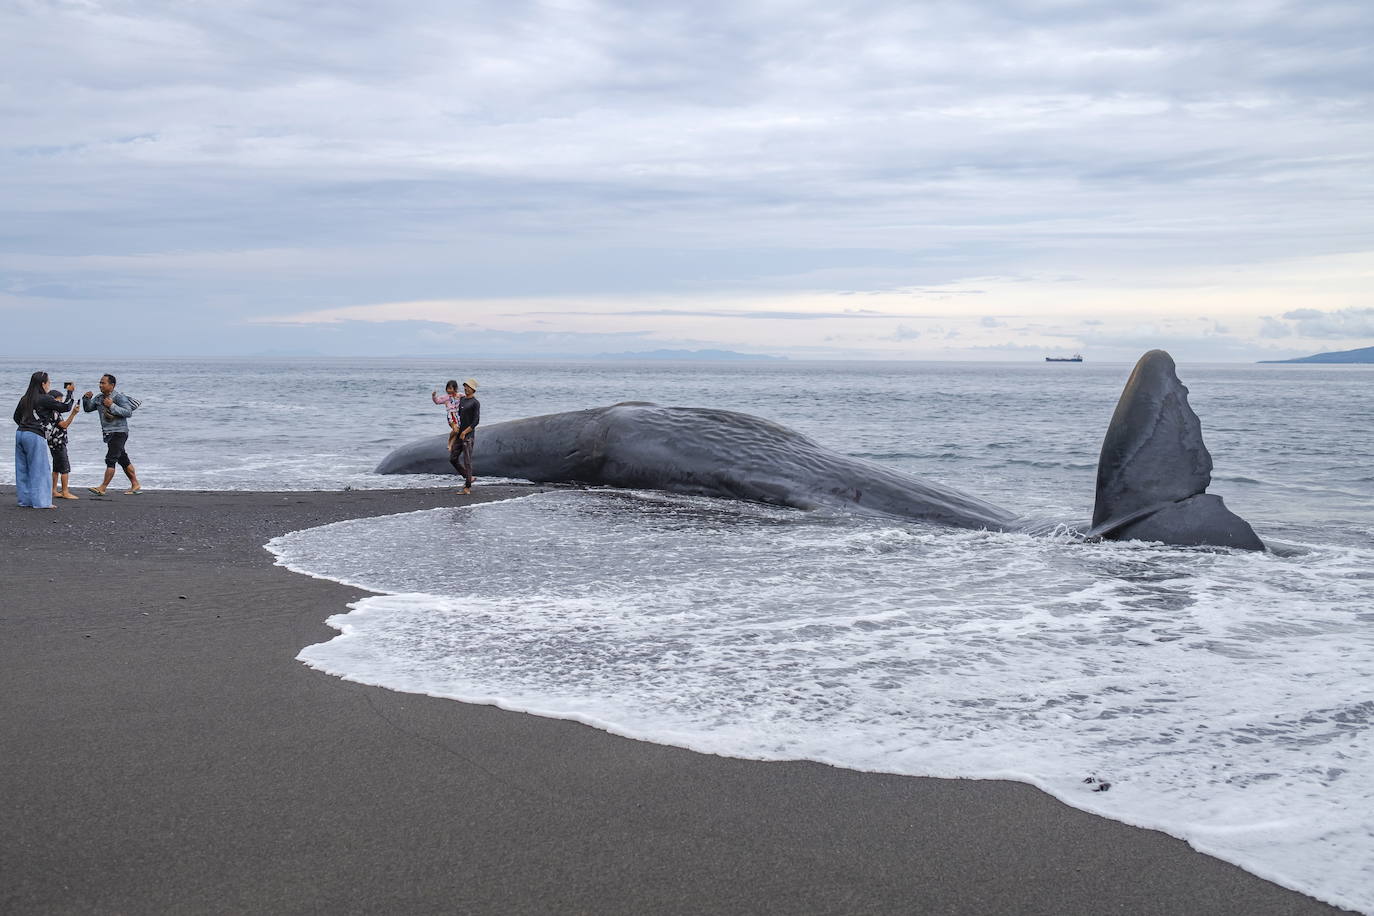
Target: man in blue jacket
[115, 409]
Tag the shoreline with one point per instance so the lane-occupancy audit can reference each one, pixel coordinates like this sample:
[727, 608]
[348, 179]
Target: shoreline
[161, 750]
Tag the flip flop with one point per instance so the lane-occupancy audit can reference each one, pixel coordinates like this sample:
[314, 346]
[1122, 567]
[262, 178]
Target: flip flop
[133, 492]
[96, 490]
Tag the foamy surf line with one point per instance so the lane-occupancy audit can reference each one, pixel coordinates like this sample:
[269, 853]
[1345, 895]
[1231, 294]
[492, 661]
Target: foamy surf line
[771, 634]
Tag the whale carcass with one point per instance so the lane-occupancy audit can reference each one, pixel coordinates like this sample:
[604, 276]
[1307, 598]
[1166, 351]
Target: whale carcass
[1152, 476]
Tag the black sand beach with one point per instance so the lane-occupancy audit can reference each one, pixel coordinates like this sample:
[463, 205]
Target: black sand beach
[162, 751]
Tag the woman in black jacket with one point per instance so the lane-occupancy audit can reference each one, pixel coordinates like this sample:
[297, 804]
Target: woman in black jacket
[36, 411]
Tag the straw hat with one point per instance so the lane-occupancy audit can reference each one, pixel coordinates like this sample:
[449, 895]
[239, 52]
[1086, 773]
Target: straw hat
[470, 383]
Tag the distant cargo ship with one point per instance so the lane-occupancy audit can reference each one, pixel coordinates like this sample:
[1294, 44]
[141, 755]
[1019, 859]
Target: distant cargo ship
[1064, 359]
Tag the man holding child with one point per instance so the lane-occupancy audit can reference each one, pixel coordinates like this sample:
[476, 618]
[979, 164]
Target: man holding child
[463, 426]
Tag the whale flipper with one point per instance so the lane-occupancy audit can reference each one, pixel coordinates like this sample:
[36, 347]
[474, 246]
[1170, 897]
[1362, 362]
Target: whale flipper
[1154, 469]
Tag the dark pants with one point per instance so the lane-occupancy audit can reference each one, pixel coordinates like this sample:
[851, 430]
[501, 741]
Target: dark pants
[114, 450]
[61, 464]
[460, 456]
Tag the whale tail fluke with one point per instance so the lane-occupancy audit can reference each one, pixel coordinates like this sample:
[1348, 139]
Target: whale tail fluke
[1153, 473]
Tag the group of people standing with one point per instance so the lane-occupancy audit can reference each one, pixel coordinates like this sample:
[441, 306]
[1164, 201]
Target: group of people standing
[41, 465]
[464, 413]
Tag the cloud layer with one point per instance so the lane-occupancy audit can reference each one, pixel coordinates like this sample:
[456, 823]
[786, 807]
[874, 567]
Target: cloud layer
[212, 167]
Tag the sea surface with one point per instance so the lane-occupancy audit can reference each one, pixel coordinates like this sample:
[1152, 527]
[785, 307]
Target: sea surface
[1223, 697]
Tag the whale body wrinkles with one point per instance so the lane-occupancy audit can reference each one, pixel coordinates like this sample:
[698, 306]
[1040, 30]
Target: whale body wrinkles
[1152, 474]
[700, 451]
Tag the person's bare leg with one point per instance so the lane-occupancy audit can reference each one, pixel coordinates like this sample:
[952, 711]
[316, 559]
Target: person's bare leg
[100, 490]
[66, 491]
[134, 485]
[55, 490]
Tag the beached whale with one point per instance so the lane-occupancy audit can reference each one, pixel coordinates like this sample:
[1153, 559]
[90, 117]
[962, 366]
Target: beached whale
[1152, 475]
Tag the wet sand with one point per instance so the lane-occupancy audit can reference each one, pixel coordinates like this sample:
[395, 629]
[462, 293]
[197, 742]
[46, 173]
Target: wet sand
[162, 751]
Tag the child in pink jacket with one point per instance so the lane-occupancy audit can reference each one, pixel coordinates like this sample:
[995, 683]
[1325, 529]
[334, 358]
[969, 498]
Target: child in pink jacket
[450, 403]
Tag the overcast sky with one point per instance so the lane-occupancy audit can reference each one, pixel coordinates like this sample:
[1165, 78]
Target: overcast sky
[1002, 179]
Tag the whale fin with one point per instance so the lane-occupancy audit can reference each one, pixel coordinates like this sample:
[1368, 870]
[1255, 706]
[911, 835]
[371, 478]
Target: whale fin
[1154, 469]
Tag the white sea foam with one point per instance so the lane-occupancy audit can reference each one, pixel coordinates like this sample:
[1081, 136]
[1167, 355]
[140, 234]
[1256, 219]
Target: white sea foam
[1222, 695]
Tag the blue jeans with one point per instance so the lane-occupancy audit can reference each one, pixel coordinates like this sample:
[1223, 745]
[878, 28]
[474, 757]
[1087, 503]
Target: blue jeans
[32, 469]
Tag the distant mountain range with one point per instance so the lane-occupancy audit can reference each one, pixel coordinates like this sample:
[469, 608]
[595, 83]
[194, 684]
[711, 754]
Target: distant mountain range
[685, 354]
[1362, 355]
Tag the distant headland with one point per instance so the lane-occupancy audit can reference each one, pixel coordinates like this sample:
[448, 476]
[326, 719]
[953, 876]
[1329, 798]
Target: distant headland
[1362, 355]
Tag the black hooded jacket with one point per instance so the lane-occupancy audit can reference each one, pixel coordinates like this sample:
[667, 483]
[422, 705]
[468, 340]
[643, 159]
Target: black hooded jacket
[47, 407]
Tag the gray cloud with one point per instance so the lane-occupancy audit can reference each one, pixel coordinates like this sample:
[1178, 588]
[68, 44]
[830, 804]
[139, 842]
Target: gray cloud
[1271, 327]
[1340, 324]
[903, 333]
[1125, 344]
[433, 150]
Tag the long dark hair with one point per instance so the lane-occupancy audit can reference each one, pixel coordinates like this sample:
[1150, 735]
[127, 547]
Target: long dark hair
[35, 392]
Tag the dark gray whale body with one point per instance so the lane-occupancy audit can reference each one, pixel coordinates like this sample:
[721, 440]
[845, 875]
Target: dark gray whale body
[1151, 479]
[700, 452]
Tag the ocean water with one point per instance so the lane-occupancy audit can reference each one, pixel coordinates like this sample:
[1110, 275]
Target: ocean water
[1222, 697]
